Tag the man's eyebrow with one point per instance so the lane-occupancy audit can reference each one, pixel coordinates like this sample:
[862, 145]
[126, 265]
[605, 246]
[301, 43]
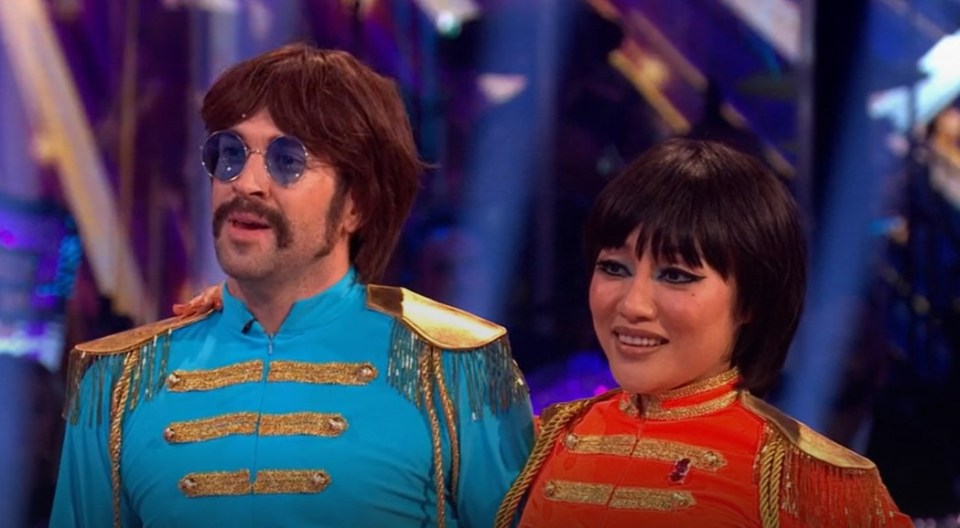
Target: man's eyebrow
[246, 138]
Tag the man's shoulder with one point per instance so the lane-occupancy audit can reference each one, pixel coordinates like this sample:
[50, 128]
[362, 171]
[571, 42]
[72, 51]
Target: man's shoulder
[441, 325]
[134, 338]
[121, 362]
[438, 347]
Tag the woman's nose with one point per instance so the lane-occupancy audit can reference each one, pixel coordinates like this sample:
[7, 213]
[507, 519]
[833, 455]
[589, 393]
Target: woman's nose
[638, 301]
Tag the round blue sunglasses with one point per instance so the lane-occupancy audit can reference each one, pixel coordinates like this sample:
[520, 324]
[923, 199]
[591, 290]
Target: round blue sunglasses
[224, 155]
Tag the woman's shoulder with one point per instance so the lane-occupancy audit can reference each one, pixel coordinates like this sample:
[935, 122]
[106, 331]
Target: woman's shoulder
[806, 479]
[801, 437]
[566, 411]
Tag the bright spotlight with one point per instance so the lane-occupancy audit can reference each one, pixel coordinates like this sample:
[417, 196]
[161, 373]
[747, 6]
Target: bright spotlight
[448, 16]
[930, 95]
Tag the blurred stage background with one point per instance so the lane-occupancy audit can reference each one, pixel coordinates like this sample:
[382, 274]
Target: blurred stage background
[527, 107]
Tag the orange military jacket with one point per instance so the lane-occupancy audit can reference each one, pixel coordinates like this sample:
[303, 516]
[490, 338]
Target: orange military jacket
[703, 455]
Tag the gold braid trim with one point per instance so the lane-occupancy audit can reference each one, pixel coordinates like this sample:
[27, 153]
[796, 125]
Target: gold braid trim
[427, 393]
[449, 415]
[803, 475]
[713, 382]
[560, 416]
[426, 340]
[479, 350]
[118, 403]
[769, 470]
[103, 358]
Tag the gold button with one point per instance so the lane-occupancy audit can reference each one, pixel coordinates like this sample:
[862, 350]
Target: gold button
[571, 441]
[319, 478]
[366, 373]
[187, 484]
[173, 380]
[549, 490]
[337, 423]
[169, 434]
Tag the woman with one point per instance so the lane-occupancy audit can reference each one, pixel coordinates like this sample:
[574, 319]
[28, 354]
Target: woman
[696, 292]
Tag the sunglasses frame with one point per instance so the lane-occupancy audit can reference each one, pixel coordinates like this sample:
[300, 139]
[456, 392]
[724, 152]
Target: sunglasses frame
[249, 151]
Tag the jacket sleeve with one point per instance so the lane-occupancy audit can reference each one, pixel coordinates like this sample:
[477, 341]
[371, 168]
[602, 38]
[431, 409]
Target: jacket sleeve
[494, 446]
[84, 494]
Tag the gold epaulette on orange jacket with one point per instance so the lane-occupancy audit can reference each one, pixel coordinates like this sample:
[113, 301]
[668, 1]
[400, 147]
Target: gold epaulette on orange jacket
[706, 454]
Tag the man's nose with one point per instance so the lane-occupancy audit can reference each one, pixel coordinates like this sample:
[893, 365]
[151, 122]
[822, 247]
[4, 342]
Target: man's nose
[253, 180]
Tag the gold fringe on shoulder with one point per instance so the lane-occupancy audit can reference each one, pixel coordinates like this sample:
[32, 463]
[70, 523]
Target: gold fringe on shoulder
[479, 355]
[126, 368]
[146, 377]
[418, 370]
[804, 475]
[103, 360]
[491, 375]
[436, 353]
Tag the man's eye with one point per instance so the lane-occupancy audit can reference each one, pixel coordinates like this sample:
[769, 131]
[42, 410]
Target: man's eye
[232, 152]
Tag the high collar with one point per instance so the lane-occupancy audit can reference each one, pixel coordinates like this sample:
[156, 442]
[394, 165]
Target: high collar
[305, 314]
[696, 399]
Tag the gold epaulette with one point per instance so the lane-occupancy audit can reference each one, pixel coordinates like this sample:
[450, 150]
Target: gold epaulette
[126, 367]
[128, 340]
[108, 354]
[419, 369]
[425, 328]
[804, 475]
[805, 439]
[442, 326]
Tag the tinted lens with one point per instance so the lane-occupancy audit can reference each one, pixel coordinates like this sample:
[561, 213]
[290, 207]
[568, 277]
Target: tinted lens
[223, 155]
[286, 159]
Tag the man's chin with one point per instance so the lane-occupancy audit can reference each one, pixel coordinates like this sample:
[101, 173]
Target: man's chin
[246, 269]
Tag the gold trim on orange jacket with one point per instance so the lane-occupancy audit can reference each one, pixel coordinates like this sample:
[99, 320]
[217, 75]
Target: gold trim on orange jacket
[703, 455]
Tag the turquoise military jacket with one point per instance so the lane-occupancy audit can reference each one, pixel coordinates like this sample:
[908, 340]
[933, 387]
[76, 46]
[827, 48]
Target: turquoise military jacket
[338, 419]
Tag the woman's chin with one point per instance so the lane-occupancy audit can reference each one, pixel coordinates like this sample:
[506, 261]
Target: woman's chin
[645, 384]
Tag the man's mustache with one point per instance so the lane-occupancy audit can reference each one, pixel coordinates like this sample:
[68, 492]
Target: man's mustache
[271, 217]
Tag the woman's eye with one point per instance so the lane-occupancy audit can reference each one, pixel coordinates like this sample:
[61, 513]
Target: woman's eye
[612, 268]
[677, 276]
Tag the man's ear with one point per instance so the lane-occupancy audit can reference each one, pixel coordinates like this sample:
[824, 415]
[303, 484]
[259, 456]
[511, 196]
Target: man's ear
[351, 220]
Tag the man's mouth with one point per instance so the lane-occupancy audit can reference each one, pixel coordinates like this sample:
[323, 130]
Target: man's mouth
[248, 222]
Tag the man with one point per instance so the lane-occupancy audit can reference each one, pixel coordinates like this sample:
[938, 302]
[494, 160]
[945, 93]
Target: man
[313, 397]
